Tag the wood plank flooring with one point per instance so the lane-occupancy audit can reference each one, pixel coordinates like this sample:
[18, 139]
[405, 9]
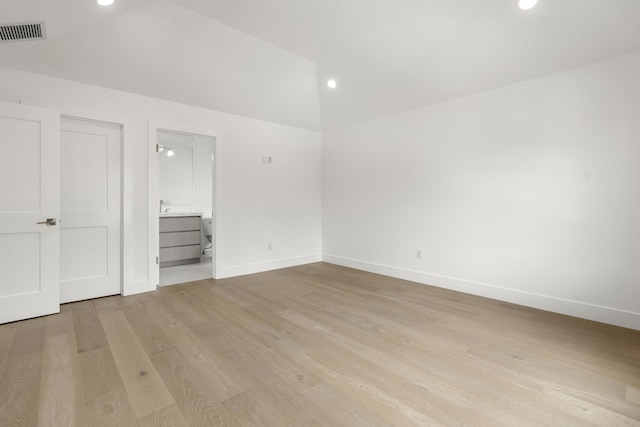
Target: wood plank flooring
[316, 345]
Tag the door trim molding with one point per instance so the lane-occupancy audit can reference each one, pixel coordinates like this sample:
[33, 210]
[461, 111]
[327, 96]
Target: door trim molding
[127, 267]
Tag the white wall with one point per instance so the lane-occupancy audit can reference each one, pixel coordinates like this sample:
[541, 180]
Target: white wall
[529, 193]
[203, 175]
[281, 204]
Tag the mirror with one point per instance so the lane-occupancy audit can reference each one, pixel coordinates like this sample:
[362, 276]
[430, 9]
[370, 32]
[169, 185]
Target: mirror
[175, 171]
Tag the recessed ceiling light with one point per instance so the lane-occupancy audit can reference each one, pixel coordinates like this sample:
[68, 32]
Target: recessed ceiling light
[332, 84]
[104, 2]
[526, 4]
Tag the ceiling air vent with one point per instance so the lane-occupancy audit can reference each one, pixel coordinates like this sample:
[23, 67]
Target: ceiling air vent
[22, 32]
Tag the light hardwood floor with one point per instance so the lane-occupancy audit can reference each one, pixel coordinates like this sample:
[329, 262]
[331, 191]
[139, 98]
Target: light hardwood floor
[316, 345]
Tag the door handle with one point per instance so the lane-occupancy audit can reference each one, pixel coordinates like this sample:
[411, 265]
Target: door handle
[49, 221]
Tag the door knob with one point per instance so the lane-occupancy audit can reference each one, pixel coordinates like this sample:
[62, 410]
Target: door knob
[49, 221]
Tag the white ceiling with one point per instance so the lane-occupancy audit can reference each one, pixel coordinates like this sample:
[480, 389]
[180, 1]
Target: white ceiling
[269, 59]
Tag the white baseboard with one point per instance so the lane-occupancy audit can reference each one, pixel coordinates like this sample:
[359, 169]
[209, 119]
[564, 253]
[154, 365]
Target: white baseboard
[543, 302]
[242, 270]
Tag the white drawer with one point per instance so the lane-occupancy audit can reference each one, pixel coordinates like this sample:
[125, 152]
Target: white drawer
[180, 223]
[179, 238]
[179, 252]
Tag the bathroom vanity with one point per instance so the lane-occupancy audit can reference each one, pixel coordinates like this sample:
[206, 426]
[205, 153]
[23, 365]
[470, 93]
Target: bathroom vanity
[180, 238]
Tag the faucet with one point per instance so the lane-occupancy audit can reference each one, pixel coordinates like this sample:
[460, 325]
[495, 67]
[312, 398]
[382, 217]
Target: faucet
[161, 203]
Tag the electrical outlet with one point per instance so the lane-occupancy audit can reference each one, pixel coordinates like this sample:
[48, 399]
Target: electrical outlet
[419, 254]
[269, 246]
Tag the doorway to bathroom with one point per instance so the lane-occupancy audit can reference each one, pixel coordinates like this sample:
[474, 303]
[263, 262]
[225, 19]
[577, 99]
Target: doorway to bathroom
[185, 177]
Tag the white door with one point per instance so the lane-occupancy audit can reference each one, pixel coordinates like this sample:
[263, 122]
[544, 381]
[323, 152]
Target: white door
[29, 194]
[89, 210]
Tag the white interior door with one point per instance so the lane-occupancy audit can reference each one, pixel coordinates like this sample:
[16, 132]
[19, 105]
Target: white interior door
[89, 210]
[29, 194]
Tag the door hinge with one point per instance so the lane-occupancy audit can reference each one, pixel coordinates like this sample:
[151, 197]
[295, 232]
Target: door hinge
[157, 148]
[157, 260]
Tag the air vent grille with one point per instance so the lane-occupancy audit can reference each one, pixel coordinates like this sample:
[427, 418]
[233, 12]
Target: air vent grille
[22, 32]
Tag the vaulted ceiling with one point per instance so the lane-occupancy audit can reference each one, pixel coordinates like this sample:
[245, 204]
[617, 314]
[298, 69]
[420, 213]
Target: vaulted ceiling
[270, 59]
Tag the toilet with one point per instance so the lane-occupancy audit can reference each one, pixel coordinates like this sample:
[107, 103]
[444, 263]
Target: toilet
[207, 229]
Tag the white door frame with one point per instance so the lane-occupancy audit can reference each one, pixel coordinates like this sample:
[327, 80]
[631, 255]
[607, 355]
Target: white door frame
[130, 285]
[153, 201]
